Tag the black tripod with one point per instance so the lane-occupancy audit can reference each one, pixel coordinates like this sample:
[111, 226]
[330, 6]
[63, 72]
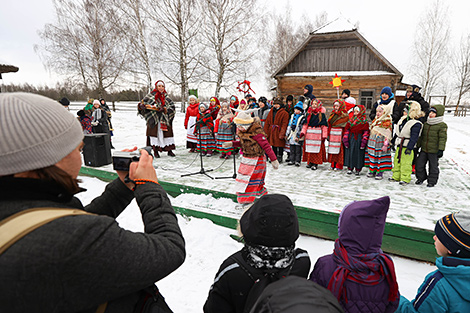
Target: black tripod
[202, 170]
[234, 176]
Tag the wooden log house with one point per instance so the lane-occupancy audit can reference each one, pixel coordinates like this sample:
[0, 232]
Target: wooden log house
[346, 53]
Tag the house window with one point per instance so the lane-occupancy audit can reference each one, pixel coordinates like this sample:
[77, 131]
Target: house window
[366, 98]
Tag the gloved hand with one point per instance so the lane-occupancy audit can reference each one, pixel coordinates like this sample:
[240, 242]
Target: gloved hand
[440, 154]
[275, 164]
[141, 106]
[385, 146]
[346, 142]
[227, 144]
[408, 151]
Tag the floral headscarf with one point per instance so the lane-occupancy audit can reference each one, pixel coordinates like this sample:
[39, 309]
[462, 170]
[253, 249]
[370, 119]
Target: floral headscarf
[340, 115]
[360, 118]
[383, 125]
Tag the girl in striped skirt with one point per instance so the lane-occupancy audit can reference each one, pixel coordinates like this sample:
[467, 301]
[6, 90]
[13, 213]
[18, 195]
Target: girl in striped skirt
[204, 130]
[224, 130]
[252, 170]
[336, 122]
[315, 131]
[378, 157]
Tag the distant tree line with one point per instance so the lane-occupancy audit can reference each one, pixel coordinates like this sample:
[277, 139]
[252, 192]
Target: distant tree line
[74, 93]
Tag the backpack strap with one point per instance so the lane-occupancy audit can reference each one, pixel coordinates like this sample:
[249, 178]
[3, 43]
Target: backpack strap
[22, 223]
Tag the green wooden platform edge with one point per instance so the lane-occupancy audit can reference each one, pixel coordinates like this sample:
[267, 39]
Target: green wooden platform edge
[406, 241]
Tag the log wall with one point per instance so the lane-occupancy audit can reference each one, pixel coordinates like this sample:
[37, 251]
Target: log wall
[327, 94]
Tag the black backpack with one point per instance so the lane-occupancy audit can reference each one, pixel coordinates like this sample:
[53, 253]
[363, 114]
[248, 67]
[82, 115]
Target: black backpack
[295, 294]
[261, 279]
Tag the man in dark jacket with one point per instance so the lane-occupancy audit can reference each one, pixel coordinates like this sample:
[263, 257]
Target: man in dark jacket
[412, 93]
[76, 263]
[270, 229]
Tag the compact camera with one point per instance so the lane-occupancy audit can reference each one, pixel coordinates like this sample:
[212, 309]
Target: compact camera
[123, 159]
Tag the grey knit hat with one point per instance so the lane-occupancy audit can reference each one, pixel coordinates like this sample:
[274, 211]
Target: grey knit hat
[35, 132]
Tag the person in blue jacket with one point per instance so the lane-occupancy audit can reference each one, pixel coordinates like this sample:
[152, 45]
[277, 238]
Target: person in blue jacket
[447, 289]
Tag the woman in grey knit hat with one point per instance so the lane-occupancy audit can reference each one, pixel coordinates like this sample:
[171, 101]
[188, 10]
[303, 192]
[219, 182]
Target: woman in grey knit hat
[75, 263]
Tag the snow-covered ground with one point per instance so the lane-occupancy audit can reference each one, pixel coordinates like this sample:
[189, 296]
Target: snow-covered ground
[208, 244]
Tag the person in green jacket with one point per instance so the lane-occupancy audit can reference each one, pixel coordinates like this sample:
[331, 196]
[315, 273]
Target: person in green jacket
[433, 143]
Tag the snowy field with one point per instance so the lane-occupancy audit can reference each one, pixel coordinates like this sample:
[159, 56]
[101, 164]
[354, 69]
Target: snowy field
[207, 245]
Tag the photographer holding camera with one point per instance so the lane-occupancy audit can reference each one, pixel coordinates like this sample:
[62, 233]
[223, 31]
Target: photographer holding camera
[78, 262]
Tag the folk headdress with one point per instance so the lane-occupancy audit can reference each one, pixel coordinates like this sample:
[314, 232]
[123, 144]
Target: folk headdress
[160, 96]
[225, 114]
[339, 117]
[383, 124]
[360, 118]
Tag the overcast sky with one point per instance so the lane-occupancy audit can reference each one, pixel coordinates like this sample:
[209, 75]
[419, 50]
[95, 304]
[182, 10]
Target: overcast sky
[387, 25]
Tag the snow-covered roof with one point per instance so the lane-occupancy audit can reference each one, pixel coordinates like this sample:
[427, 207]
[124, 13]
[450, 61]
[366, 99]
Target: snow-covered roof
[341, 74]
[400, 93]
[340, 24]
[6, 67]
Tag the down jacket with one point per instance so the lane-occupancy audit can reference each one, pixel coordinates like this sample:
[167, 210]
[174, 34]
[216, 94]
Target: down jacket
[75, 263]
[434, 137]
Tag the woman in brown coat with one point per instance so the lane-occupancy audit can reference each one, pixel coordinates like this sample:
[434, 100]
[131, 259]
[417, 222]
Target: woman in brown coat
[159, 111]
[275, 127]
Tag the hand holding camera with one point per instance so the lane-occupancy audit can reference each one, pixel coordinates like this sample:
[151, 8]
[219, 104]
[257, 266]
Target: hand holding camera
[132, 164]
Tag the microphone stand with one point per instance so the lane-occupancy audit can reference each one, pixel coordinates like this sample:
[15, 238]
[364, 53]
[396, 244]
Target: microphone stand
[234, 176]
[202, 170]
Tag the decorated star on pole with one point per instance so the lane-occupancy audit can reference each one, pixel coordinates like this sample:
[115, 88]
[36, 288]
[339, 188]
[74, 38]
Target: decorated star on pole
[336, 81]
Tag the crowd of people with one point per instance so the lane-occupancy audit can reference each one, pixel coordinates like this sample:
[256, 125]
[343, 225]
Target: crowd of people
[83, 261]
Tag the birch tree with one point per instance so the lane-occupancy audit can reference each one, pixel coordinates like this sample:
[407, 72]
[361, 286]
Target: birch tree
[178, 21]
[430, 53]
[84, 44]
[135, 26]
[461, 64]
[230, 34]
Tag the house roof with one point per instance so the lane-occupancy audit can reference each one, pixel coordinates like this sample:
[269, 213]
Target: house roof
[7, 68]
[340, 27]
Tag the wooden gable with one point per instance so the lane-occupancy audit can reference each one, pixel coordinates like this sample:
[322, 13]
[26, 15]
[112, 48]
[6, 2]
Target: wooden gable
[336, 52]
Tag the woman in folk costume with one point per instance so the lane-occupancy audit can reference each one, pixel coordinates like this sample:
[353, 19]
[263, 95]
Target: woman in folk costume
[314, 129]
[408, 131]
[356, 135]
[159, 111]
[275, 127]
[379, 158]
[214, 107]
[255, 146]
[358, 273]
[336, 122]
[189, 123]
[224, 130]
[204, 130]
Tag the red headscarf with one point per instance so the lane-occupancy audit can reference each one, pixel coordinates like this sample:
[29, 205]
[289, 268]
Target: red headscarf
[160, 97]
[339, 116]
[360, 118]
[236, 103]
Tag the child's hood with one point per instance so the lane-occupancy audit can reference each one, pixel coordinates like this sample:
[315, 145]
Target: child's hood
[439, 109]
[361, 225]
[457, 272]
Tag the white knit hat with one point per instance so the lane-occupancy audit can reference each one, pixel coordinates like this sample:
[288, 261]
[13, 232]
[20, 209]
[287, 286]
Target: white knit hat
[35, 132]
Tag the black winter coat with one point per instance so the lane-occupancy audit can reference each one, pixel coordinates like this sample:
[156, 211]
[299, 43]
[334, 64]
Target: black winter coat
[232, 284]
[75, 263]
[398, 108]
